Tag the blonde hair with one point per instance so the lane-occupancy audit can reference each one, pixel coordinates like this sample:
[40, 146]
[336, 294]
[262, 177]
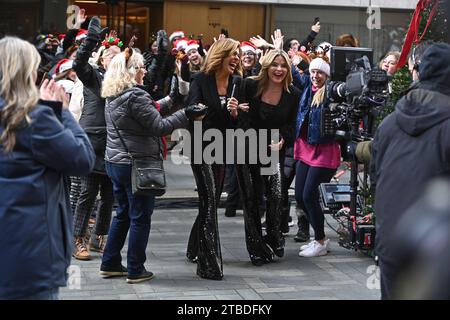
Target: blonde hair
[263, 76]
[319, 96]
[121, 74]
[19, 63]
[396, 54]
[220, 50]
[101, 52]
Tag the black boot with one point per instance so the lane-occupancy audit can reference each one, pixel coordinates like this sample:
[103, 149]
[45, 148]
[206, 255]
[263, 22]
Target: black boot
[284, 223]
[303, 227]
[230, 212]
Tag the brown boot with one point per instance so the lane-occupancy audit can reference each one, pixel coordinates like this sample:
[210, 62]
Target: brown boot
[81, 252]
[97, 243]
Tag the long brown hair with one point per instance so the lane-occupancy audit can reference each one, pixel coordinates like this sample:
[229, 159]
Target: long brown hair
[219, 51]
[263, 76]
[19, 63]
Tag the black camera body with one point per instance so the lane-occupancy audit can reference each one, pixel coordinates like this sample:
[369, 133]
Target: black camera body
[353, 100]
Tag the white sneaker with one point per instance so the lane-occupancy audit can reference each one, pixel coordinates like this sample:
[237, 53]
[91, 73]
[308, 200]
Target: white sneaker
[306, 246]
[315, 250]
[327, 244]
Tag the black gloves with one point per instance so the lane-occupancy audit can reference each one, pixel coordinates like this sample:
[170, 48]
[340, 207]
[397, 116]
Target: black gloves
[95, 27]
[174, 88]
[162, 40]
[195, 110]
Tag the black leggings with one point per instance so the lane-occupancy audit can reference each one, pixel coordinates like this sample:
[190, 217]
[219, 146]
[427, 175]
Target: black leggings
[307, 183]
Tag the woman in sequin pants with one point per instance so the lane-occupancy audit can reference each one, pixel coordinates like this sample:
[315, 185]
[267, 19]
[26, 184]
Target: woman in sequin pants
[212, 87]
[272, 105]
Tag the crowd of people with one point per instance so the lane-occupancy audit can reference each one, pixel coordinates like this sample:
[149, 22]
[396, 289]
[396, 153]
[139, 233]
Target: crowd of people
[76, 109]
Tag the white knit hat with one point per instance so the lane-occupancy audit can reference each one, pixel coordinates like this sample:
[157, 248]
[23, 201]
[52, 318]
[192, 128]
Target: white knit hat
[320, 64]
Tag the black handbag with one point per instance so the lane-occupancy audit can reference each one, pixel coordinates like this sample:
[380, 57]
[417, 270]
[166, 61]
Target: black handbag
[147, 174]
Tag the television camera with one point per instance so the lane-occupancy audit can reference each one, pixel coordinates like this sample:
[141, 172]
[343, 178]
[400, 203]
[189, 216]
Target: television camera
[356, 92]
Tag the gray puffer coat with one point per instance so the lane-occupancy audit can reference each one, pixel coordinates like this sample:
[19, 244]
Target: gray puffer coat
[140, 124]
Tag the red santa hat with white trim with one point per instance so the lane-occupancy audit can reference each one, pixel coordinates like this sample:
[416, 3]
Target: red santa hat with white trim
[63, 65]
[176, 34]
[248, 46]
[82, 33]
[192, 44]
[181, 44]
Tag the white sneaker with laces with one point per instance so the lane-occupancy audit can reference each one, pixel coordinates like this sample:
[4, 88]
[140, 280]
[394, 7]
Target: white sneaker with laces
[306, 246]
[315, 250]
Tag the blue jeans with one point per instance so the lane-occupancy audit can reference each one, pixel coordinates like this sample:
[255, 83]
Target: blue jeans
[50, 294]
[133, 213]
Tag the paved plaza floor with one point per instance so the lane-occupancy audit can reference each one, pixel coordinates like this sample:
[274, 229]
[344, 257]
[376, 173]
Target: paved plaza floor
[342, 274]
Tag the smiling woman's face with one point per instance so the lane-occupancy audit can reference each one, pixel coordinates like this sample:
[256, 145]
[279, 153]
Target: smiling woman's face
[231, 62]
[318, 78]
[278, 70]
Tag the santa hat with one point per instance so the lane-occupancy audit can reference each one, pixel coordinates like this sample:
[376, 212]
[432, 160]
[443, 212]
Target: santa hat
[181, 44]
[192, 44]
[63, 65]
[248, 46]
[320, 64]
[179, 34]
[82, 33]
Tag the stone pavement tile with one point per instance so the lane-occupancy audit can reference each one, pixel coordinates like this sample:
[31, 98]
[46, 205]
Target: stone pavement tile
[270, 296]
[68, 294]
[308, 295]
[337, 282]
[73, 298]
[228, 297]
[159, 295]
[106, 297]
[275, 290]
[128, 297]
[97, 287]
[296, 283]
[311, 288]
[356, 294]
[189, 298]
[224, 285]
[248, 294]
[206, 292]
[345, 260]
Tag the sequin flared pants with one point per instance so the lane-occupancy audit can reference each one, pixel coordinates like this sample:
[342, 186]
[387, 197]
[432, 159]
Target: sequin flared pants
[261, 249]
[204, 243]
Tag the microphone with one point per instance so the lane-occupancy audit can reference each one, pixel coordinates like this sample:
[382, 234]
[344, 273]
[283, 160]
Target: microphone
[236, 82]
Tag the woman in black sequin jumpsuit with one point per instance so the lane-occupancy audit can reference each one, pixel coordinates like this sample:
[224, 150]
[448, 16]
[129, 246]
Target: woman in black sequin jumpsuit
[272, 104]
[211, 87]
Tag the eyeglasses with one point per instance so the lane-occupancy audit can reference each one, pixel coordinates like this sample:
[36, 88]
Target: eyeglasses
[248, 53]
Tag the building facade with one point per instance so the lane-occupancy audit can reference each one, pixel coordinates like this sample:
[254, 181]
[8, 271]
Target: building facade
[380, 24]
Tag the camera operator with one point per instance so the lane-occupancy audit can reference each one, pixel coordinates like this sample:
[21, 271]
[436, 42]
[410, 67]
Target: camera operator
[417, 130]
[318, 156]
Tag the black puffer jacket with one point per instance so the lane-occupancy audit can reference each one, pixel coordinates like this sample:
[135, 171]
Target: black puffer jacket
[92, 118]
[140, 124]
